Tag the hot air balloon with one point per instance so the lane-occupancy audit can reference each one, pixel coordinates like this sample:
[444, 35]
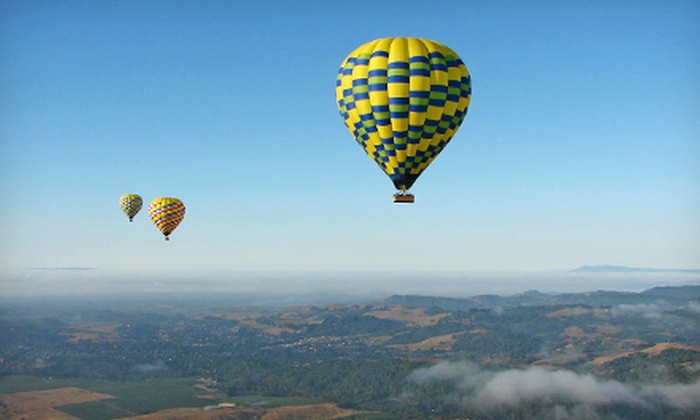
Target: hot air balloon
[166, 213]
[130, 204]
[403, 99]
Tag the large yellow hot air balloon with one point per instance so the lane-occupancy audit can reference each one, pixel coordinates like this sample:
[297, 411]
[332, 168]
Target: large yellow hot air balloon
[403, 99]
[130, 204]
[166, 213]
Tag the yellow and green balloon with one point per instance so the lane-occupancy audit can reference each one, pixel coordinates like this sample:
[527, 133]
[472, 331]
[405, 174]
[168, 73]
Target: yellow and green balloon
[130, 204]
[403, 100]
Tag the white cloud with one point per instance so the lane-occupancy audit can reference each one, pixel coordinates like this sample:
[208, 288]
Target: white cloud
[647, 310]
[569, 394]
[693, 306]
[515, 387]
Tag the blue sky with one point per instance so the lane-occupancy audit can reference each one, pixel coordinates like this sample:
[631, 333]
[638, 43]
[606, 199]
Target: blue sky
[581, 146]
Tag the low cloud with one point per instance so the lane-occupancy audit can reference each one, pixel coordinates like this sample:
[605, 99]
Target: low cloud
[517, 387]
[683, 396]
[647, 310]
[159, 366]
[693, 306]
[655, 311]
[566, 393]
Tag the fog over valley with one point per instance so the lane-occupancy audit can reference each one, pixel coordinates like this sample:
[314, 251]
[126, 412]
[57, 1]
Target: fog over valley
[320, 286]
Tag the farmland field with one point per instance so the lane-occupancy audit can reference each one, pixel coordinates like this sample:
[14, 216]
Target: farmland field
[29, 397]
[43, 403]
[129, 398]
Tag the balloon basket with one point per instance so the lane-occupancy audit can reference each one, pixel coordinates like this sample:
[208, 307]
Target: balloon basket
[404, 198]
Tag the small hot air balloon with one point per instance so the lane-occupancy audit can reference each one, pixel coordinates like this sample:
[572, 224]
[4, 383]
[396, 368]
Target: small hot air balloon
[130, 204]
[403, 99]
[166, 213]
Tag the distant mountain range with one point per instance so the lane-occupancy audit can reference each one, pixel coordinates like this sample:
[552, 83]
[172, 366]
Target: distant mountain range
[623, 269]
[677, 294]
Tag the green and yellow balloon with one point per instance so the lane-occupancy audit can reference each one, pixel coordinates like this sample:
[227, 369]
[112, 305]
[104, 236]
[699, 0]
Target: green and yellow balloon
[403, 100]
[130, 205]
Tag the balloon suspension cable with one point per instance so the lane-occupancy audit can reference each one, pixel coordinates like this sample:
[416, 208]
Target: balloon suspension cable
[403, 196]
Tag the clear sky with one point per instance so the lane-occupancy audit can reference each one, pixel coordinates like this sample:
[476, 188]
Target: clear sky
[581, 145]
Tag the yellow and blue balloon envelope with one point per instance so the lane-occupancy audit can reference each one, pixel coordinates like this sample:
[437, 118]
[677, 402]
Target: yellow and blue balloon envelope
[130, 204]
[403, 100]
